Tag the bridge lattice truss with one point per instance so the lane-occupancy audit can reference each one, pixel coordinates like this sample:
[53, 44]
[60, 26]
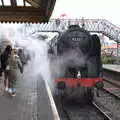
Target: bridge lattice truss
[93, 25]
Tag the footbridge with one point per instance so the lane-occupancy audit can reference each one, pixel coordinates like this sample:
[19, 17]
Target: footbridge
[93, 25]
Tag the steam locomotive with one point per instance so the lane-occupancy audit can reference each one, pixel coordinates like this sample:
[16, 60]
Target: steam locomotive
[75, 63]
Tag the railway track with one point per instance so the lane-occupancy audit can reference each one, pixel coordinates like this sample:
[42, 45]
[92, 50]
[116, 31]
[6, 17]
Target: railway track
[112, 88]
[77, 111]
[107, 107]
[110, 98]
[106, 113]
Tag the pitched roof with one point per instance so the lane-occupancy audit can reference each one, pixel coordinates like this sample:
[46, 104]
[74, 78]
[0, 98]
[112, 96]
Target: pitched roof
[26, 10]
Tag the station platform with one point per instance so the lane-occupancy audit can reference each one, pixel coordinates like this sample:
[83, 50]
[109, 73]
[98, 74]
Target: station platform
[112, 67]
[111, 72]
[31, 102]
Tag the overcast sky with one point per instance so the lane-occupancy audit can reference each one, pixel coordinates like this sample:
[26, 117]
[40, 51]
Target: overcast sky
[103, 9]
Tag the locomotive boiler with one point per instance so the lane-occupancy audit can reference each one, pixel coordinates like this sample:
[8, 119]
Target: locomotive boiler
[76, 60]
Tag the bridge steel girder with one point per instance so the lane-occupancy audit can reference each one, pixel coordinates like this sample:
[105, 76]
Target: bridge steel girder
[34, 3]
[13, 3]
[92, 25]
[49, 7]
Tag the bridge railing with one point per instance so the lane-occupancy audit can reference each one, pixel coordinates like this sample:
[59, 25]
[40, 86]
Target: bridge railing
[93, 25]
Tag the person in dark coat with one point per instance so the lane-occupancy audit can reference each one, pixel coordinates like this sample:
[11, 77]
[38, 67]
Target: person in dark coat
[22, 56]
[4, 58]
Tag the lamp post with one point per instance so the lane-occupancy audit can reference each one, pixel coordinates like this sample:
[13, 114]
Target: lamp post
[117, 48]
[118, 45]
[83, 22]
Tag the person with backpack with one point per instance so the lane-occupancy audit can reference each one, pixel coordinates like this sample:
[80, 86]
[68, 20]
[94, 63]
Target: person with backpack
[4, 68]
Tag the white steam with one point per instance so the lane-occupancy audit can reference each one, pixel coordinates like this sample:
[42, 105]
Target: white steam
[39, 64]
[70, 58]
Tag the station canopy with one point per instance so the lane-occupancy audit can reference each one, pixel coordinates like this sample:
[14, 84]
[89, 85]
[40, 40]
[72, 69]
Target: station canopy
[26, 10]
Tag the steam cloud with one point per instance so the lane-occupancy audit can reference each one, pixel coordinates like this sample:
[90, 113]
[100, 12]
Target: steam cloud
[39, 64]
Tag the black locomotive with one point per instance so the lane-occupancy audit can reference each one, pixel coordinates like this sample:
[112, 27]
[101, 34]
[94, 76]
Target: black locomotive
[76, 59]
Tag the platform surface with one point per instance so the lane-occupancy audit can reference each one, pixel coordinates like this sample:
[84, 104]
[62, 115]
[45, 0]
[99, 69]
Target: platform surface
[113, 67]
[31, 101]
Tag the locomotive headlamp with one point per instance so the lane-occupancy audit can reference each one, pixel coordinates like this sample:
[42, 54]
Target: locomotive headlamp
[99, 85]
[61, 85]
[78, 74]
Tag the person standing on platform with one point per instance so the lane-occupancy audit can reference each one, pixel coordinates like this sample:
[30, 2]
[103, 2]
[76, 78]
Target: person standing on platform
[15, 70]
[4, 68]
[22, 56]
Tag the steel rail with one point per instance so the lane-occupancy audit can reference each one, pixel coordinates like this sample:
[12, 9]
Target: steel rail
[104, 113]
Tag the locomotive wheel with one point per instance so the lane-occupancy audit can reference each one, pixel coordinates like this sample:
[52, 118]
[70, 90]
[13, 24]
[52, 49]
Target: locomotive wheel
[83, 96]
[88, 96]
